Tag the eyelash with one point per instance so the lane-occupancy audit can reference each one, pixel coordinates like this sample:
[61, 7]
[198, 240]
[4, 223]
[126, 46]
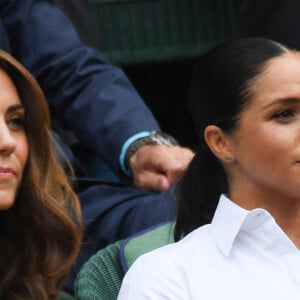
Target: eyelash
[17, 122]
[283, 115]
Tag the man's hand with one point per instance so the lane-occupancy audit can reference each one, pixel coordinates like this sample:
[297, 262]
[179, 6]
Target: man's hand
[157, 167]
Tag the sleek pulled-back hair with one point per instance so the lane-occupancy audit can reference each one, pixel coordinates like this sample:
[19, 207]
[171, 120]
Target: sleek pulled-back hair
[220, 88]
[40, 235]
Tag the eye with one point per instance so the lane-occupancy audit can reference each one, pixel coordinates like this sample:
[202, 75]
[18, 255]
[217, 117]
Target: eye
[283, 115]
[16, 122]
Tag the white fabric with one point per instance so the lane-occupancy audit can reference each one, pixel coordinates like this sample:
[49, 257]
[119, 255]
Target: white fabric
[241, 255]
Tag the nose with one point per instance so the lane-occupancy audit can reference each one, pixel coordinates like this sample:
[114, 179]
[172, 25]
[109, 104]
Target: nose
[7, 141]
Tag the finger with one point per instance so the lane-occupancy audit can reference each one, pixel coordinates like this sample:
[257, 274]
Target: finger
[152, 181]
[174, 161]
[163, 184]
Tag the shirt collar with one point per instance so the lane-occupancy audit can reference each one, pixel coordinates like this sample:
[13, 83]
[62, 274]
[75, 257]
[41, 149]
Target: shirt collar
[229, 219]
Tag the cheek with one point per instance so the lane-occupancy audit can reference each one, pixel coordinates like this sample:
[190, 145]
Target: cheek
[266, 147]
[23, 151]
[260, 145]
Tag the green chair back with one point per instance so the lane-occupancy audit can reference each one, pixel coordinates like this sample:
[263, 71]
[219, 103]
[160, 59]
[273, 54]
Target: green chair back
[101, 276]
[65, 296]
[144, 242]
[141, 31]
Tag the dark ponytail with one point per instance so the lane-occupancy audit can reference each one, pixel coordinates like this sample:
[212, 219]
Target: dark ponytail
[205, 176]
[220, 88]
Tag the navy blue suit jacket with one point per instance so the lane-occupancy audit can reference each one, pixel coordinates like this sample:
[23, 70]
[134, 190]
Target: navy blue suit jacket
[87, 95]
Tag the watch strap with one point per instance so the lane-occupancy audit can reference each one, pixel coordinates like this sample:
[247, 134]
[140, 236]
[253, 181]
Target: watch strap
[154, 138]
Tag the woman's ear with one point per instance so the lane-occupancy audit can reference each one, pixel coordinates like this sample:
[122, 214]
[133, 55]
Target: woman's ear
[219, 143]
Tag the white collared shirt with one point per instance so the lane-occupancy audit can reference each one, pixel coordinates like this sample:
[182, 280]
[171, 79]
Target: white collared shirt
[241, 255]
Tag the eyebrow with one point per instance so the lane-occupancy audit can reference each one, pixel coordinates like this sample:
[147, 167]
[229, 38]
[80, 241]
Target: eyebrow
[292, 100]
[15, 107]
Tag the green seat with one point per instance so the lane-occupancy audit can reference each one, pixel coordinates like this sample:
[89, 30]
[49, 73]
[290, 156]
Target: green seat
[141, 31]
[65, 296]
[101, 276]
[144, 242]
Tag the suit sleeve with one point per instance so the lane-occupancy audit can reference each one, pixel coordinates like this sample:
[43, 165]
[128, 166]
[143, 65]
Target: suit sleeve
[87, 95]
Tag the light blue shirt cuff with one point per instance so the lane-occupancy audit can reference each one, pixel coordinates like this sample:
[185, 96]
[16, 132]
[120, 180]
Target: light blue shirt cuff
[125, 148]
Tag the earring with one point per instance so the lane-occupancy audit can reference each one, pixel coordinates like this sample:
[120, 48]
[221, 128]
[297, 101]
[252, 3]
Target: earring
[228, 158]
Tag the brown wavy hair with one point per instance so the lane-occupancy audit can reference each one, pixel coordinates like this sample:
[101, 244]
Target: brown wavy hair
[40, 234]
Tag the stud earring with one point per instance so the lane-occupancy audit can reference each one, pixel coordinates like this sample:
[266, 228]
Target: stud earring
[228, 158]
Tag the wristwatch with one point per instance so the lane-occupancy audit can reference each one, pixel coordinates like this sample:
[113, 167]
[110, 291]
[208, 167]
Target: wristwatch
[154, 138]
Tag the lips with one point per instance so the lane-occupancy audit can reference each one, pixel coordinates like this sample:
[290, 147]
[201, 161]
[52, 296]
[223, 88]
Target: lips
[6, 173]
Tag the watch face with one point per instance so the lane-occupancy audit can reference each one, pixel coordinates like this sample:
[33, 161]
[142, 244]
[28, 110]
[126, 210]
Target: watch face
[164, 139]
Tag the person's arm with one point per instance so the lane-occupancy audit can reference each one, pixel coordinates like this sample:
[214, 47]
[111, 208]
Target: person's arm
[155, 160]
[92, 98]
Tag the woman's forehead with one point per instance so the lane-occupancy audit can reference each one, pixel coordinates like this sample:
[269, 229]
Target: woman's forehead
[279, 78]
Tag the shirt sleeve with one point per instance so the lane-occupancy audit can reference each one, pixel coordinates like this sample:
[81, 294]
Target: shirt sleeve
[153, 277]
[86, 94]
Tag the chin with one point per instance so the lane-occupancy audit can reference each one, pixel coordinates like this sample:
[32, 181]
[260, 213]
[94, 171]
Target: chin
[7, 198]
[6, 205]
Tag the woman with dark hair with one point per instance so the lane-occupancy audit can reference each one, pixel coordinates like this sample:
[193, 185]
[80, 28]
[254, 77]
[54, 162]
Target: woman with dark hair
[40, 227]
[237, 229]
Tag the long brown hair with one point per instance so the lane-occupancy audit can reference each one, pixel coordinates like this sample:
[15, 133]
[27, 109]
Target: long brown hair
[40, 235]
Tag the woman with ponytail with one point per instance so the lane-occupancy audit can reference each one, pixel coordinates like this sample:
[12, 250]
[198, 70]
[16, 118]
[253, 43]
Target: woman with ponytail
[40, 221]
[238, 225]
